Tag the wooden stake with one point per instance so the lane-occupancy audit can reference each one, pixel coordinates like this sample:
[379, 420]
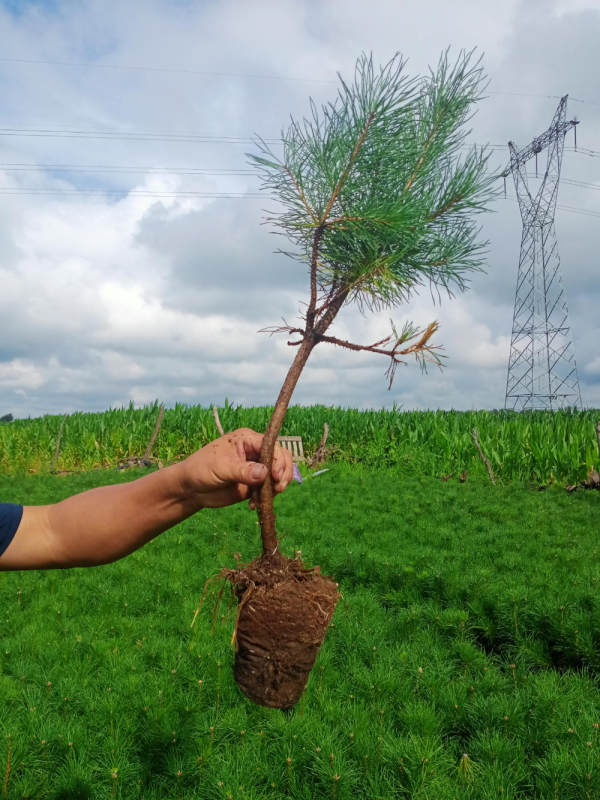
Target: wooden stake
[218, 421]
[483, 458]
[161, 414]
[320, 451]
[56, 452]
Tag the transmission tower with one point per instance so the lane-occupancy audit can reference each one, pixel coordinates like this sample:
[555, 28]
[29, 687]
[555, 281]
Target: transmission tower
[542, 372]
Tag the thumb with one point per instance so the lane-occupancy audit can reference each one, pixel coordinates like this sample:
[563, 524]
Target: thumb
[253, 473]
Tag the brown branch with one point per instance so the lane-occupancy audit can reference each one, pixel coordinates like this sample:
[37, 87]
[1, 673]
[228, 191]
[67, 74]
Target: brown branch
[282, 329]
[346, 172]
[330, 295]
[357, 219]
[426, 147]
[264, 495]
[420, 348]
[310, 313]
[483, 458]
[331, 309]
[446, 207]
[301, 195]
[379, 267]
[394, 352]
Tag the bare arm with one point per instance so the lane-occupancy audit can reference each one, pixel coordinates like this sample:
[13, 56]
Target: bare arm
[107, 523]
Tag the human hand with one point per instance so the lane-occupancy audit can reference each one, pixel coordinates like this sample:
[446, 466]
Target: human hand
[225, 470]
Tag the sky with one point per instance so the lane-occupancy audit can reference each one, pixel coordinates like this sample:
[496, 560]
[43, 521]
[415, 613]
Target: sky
[135, 263]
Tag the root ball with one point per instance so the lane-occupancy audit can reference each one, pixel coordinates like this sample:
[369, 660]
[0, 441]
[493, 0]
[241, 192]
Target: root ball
[283, 615]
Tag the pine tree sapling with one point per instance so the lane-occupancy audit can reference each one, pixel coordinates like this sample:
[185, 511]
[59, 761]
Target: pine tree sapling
[378, 197]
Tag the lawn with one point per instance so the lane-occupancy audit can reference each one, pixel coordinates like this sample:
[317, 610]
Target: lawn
[463, 660]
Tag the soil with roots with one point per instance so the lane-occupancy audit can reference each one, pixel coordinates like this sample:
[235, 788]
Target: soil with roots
[284, 610]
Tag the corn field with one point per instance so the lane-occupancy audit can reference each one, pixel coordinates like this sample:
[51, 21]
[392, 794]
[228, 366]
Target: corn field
[534, 446]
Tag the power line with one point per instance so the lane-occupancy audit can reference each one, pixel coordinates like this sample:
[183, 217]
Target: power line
[545, 96]
[7, 191]
[230, 74]
[197, 171]
[571, 181]
[25, 191]
[144, 136]
[24, 167]
[572, 209]
[584, 151]
[183, 70]
[583, 211]
[67, 133]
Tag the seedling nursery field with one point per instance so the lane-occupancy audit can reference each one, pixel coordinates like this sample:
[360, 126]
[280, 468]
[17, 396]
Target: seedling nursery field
[462, 661]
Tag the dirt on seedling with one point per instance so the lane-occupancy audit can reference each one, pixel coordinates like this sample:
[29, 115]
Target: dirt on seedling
[283, 614]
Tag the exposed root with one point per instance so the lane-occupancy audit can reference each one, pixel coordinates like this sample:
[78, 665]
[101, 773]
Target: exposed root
[284, 610]
[244, 600]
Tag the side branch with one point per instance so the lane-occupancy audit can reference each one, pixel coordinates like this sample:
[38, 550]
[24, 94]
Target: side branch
[301, 195]
[346, 172]
[310, 313]
[426, 147]
[446, 207]
[421, 348]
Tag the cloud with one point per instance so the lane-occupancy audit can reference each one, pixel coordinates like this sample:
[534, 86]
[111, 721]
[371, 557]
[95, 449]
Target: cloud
[126, 295]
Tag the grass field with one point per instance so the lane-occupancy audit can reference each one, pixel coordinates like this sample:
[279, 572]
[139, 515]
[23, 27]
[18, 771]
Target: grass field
[463, 660]
[535, 446]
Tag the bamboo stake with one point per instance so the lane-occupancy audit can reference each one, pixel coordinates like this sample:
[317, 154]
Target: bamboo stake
[483, 458]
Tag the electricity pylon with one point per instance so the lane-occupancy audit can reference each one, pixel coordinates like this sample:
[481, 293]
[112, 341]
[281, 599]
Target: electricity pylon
[542, 372]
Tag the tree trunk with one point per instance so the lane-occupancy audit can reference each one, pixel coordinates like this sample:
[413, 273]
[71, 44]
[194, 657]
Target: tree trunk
[266, 515]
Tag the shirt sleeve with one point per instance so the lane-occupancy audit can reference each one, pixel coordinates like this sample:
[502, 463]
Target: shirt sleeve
[10, 519]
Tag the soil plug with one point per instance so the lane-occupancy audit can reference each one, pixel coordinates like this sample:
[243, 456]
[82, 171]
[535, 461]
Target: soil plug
[378, 199]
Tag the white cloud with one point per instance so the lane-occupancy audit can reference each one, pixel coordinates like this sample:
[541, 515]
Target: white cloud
[106, 298]
[20, 374]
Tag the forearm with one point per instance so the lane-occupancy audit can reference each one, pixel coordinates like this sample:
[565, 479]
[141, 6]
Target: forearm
[109, 522]
[105, 524]
[100, 525]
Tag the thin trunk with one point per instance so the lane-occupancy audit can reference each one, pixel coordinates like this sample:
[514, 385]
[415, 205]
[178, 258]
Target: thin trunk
[266, 514]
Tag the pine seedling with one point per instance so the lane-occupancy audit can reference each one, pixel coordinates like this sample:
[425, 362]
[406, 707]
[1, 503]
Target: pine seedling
[378, 200]
[7, 770]
[465, 768]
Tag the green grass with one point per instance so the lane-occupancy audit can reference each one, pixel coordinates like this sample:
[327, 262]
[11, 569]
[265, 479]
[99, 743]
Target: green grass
[535, 446]
[463, 660]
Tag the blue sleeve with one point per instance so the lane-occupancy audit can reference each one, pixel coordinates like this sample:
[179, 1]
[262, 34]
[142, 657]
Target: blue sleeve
[10, 519]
